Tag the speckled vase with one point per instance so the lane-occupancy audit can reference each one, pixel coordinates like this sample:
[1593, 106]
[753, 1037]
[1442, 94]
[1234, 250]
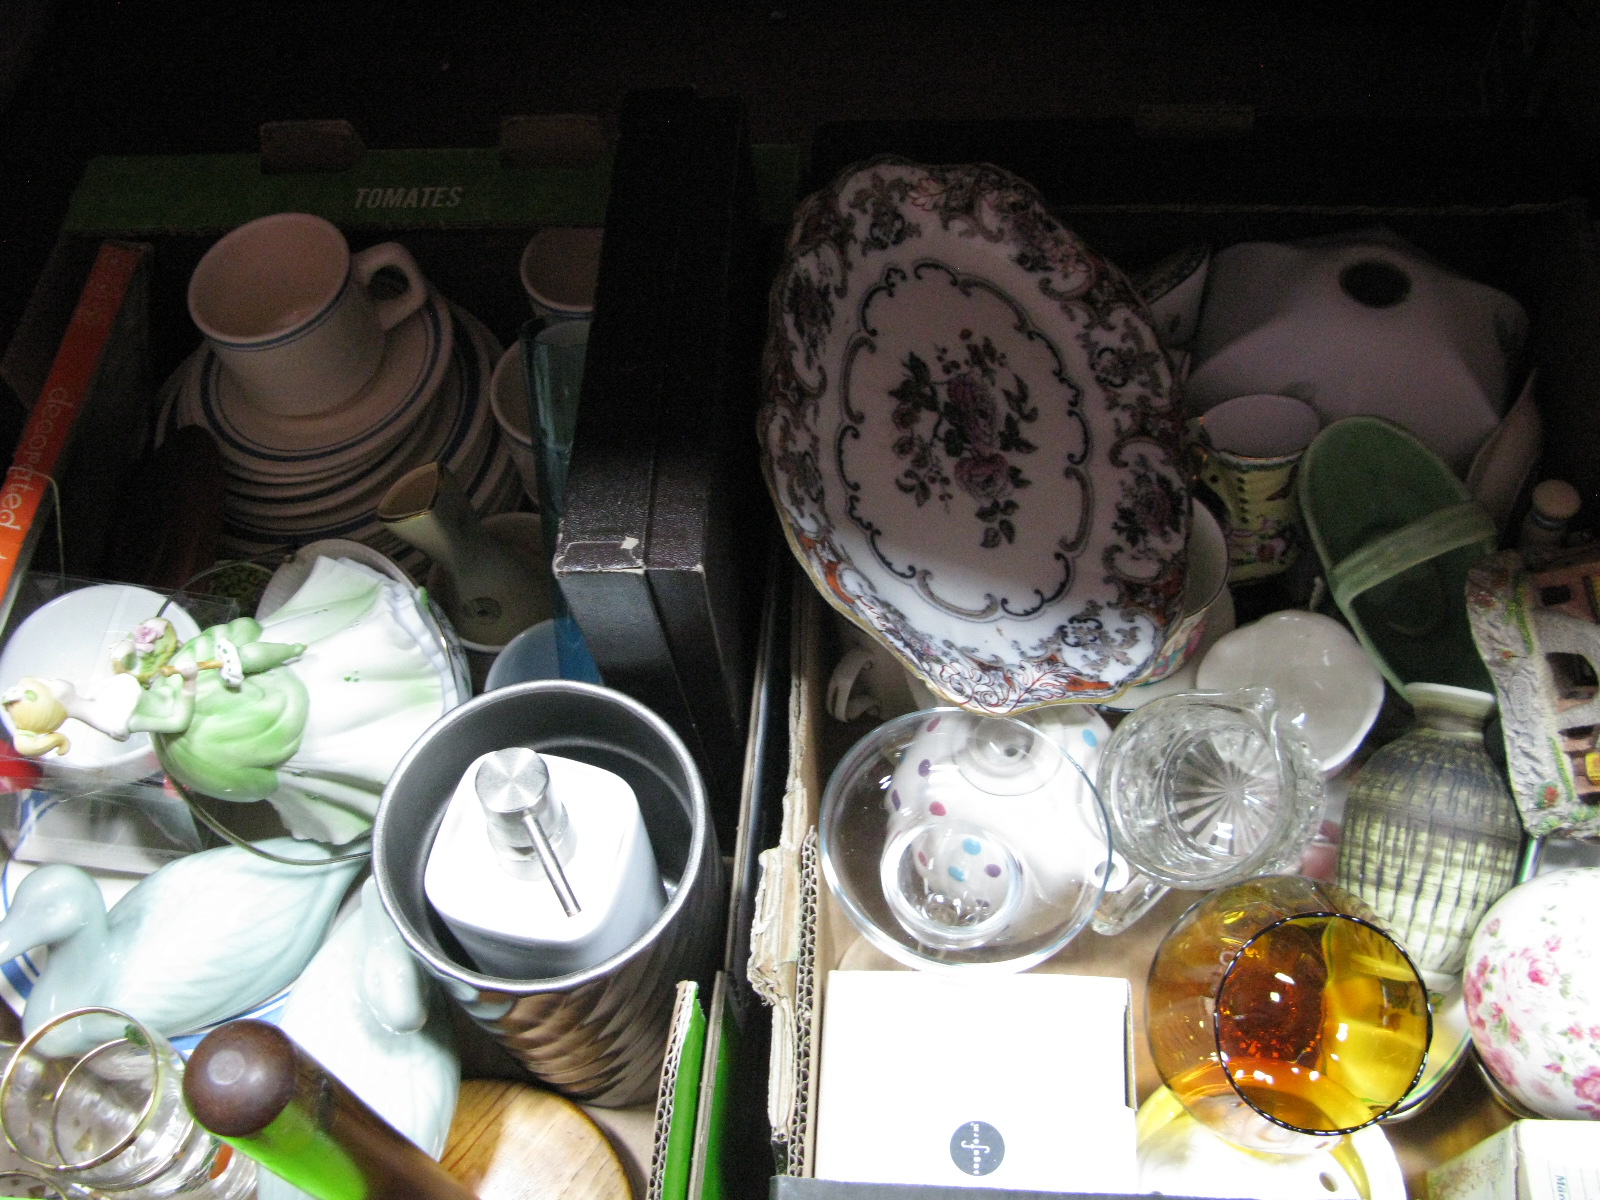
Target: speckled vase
[1431, 833]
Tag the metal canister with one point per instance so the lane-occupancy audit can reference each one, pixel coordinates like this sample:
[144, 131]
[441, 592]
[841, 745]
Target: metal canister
[600, 1034]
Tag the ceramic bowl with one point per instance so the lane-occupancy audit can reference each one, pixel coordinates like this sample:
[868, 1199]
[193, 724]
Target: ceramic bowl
[1351, 324]
[1326, 684]
[1205, 578]
[1533, 972]
[559, 269]
[1174, 289]
[522, 533]
[960, 842]
[970, 432]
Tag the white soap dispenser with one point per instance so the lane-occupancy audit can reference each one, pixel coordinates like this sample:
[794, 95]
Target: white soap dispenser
[542, 865]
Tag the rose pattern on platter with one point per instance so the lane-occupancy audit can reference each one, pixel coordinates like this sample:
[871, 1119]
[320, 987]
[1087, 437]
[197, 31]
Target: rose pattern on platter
[961, 434]
[972, 430]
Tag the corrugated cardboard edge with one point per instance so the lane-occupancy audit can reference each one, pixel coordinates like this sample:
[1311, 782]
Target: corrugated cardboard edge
[807, 1030]
[782, 953]
[666, 1156]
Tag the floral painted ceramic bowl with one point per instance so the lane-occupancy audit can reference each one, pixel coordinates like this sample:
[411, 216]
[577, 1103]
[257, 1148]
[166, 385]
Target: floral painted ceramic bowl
[972, 436]
[1533, 972]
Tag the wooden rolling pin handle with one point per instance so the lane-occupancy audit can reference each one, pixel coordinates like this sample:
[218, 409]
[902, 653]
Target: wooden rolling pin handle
[254, 1088]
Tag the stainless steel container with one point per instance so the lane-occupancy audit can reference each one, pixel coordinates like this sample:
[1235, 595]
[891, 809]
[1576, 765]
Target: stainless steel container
[597, 1035]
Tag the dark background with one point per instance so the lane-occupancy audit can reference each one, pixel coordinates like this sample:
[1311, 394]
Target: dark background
[85, 77]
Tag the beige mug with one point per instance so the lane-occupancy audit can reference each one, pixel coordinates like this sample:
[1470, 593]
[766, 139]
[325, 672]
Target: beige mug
[1245, 450]
[560, 267]
[510, 403]
[291, 314]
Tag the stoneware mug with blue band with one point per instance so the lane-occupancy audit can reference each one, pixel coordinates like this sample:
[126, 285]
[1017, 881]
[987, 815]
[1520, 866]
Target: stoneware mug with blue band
[293, 315]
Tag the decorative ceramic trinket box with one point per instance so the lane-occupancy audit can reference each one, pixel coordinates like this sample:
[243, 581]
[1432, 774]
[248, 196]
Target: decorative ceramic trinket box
[1549, 719]
[1533, 970]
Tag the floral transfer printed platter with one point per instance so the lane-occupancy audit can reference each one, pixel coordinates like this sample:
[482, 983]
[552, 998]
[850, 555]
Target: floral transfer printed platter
[971, 433]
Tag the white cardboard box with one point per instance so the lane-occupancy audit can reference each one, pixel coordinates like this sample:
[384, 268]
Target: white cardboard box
[1002, 1081]
[1528, 1160]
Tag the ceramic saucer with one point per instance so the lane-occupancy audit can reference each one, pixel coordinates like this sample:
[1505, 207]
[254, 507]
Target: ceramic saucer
[970, 432]
[457, 429]
[519, 532]
[415, 358]
[1221, 618]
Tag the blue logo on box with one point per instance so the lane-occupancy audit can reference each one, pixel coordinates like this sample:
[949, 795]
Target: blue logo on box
[977, 1148]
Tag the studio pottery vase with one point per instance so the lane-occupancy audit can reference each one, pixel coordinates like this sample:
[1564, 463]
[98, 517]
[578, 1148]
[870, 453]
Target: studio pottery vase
[1431, 833]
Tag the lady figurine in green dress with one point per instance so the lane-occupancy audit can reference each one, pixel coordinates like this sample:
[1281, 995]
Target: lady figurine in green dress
[309, 708]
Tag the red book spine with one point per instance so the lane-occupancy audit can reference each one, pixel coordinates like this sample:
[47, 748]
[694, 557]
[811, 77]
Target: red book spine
[49, 426]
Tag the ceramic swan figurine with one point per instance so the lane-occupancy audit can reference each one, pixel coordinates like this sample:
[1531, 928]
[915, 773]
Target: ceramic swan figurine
[368, 1012]
[309, 708]
[204, 938]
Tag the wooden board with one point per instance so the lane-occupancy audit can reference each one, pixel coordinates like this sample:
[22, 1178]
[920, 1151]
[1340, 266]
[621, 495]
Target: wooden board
[509, 1141]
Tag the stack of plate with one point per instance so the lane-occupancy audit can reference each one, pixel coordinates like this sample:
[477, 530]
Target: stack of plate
[292, 480]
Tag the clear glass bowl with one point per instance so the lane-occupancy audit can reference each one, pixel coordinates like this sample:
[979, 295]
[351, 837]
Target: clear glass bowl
[958, 840]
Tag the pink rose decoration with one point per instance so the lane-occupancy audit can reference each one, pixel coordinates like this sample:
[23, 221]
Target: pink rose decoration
[1500, 1063]
[985, 477]
[1587, 1085]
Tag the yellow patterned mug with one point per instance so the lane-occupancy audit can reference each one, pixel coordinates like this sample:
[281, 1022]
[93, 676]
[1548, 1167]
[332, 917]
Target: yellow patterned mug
[1245, 452]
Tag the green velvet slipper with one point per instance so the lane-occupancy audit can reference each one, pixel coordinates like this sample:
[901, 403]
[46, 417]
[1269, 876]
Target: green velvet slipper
[1396, 532]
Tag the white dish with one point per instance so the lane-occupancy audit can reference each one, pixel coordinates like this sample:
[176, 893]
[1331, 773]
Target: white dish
[1174, 289]
[416, 354]
[459, 431]
[970, 433]
[71, 638]
[519, 532]
[1325, 681]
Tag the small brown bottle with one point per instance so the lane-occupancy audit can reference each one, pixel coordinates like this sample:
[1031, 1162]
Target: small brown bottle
[251, 1086]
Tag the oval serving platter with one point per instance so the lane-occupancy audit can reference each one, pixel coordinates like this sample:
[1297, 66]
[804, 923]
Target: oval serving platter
[972, 436]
